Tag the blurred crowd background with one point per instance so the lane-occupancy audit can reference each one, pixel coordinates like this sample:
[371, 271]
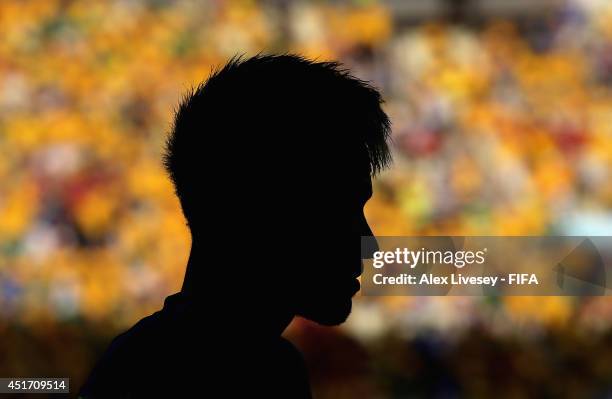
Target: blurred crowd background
[502, 125]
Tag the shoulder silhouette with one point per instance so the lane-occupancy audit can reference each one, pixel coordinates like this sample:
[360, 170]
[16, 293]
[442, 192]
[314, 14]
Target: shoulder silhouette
[272, 159]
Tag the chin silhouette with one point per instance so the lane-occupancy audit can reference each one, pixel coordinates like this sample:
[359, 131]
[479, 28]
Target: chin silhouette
[272, 159]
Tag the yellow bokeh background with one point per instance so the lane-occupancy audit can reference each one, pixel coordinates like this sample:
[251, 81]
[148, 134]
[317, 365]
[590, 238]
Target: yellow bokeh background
[501, 126]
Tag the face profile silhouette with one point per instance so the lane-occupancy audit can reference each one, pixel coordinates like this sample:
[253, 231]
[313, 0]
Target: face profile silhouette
[281, 150]
[271, 159]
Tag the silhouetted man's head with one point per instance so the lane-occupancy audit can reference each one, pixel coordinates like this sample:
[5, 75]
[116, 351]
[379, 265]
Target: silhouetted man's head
[272, 159]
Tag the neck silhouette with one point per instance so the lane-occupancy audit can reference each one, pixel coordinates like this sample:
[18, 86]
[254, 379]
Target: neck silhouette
[237, 302]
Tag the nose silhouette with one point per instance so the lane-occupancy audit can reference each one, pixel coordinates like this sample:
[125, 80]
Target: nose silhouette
[369, 245]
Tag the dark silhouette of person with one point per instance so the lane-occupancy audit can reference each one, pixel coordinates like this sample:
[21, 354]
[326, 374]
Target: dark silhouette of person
[272, 159]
